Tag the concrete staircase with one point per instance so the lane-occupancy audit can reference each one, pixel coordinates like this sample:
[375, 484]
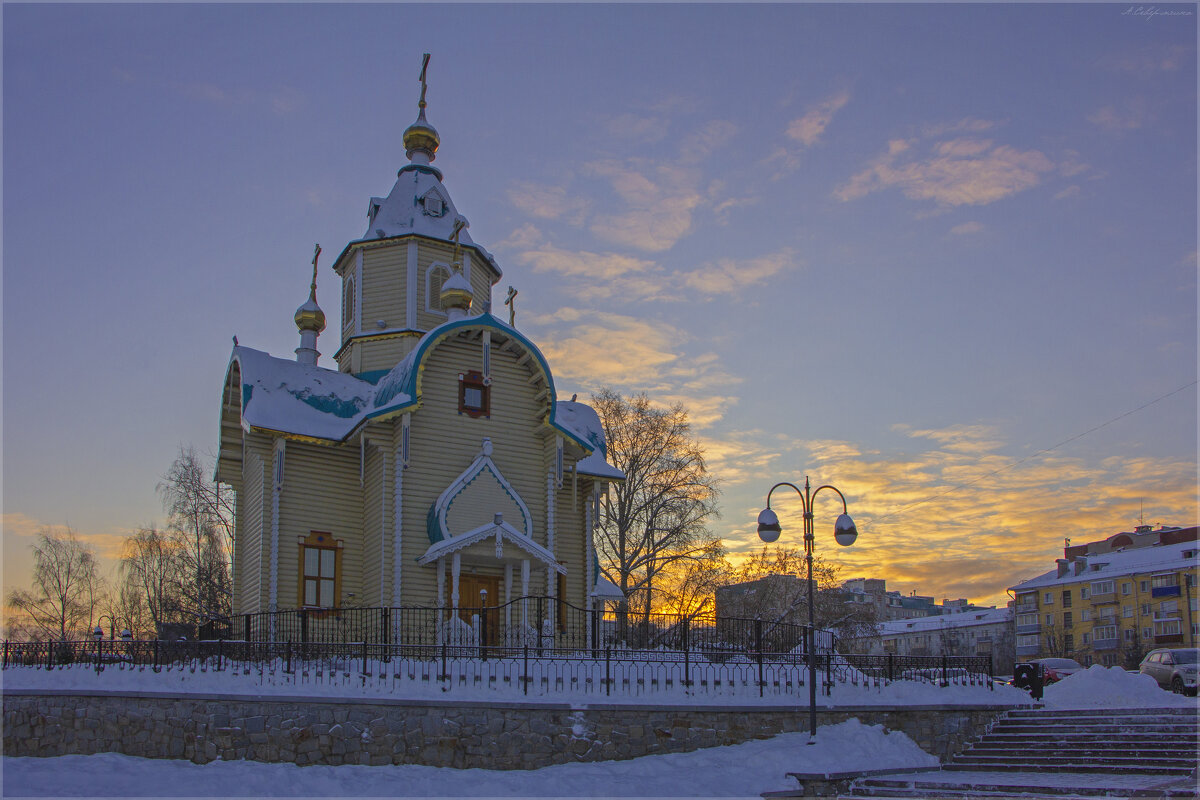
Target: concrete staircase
[1149, 753]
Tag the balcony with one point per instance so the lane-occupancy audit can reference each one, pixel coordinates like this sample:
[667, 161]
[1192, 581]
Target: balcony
[1027, 608]
[1164, 591]
[1168, 638]
[1029, 629]
[1028, 649]
[1106, 644]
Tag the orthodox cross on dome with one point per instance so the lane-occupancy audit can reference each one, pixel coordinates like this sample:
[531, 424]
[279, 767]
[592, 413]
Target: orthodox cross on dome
[511, 302]
[424, 67]
[459, 224]
[312, 292]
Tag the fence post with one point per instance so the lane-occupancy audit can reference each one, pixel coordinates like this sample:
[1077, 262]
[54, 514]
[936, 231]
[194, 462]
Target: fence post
[608, 670]
[595, 633]
[246, 624]
[6, 653]
[525, 667]
[444, 675]
[541, 612]
[483, 634]
[890, 667]
[364, 657]
[828, 674]
[220, 648]
[758, 648]
[945, 677]
[991, 667]
[304, 632]
[385, 635]
[288, 664]
[49, 654]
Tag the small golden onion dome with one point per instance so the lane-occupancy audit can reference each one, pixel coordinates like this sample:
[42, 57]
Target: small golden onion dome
[456, 293]
[421, 136]
[310, 317]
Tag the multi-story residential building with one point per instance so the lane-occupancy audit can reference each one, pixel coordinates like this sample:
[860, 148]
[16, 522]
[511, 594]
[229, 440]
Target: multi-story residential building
[1109, 602]
[977, 632]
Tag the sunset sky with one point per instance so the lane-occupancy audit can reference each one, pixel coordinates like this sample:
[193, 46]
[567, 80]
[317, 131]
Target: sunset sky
[903, 249]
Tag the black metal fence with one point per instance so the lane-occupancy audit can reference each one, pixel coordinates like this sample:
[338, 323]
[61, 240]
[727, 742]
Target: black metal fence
[541, 622]
[544, 670]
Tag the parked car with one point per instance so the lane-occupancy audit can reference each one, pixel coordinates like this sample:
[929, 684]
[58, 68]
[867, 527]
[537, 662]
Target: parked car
[1055, 669]
[1173, 668]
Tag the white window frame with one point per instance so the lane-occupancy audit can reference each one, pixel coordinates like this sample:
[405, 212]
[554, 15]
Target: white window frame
[433, 302]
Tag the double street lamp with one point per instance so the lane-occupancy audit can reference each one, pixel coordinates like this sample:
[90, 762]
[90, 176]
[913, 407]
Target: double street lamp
[845, 533]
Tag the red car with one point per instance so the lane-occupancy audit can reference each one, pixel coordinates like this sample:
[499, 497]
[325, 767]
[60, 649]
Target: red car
[1055, 669]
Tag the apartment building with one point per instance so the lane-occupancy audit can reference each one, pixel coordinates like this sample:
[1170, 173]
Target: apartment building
[1109, 602]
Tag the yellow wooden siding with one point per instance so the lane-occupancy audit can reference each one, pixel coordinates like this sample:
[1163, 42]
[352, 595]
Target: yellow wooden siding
[428, 253]
[248, 538]
[385, 352]
[385, 271]
[444, 443]
[321, 492]
[378, 486]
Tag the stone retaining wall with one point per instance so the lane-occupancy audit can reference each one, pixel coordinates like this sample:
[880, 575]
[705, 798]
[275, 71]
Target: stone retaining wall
[317, 730]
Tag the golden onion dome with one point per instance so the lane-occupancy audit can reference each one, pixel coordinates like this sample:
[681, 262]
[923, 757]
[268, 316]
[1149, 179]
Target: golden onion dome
[310, 317]
[421, 136]
[456, 292]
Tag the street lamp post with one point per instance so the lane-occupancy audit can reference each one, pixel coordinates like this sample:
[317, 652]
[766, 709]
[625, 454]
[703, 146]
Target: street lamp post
[845, 533]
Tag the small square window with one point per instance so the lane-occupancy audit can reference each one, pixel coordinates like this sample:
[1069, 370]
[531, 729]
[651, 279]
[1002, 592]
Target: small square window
[474, 395]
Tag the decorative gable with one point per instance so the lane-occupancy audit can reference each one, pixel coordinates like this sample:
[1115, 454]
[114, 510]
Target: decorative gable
[473, 500]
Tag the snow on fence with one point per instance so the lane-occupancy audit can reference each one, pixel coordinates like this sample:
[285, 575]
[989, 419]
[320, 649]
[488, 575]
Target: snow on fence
[530, 669]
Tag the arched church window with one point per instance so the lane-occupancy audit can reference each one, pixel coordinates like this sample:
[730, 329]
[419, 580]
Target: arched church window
[437, 275]
[348, 303]
[320, 570]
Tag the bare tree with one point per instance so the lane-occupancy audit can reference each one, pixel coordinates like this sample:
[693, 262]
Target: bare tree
[201, 524]
[654, 522]
[150, 564]
[777, 594]
[66, 587]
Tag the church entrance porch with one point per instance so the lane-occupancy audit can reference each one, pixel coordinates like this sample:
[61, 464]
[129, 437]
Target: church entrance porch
[478, 597]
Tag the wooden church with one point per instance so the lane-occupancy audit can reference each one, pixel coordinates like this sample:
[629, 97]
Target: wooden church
[435, 466]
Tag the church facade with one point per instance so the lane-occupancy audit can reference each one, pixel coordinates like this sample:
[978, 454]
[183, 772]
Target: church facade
[435, 466]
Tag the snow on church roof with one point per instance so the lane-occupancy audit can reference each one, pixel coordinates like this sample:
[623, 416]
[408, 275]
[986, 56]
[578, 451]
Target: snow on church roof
[284, 395]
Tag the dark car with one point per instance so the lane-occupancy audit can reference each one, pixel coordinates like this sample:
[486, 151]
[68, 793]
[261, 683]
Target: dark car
[1055, 669]
[1173, 668]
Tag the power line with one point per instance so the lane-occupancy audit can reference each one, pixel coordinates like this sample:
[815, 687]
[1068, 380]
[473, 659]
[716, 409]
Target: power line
[1019, 462]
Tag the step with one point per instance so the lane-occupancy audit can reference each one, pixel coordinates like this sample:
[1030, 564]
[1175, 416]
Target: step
[1154, 737]
[1147, 727]
[1104, 713]
[1114, 759]
[1087, 753]
[977, 783]
[1058, 769]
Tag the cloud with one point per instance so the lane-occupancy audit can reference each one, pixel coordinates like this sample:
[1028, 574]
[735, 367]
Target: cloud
[1148, 60]
[711, 137]
[548, 202]
[581, 263]
[631, 127]
[808, 129]
[1110, 119]
[967, 228]
[956, 172]
[727, 275]
[1070, 191]
[657, 203]
[960, 518]
[964, 125]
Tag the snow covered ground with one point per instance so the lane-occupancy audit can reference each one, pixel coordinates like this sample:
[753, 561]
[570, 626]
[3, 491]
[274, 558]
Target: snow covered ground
[743, 770]
[490, 681]
[1111, 687]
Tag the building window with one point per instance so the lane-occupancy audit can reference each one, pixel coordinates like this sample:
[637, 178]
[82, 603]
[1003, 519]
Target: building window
[435, 277]
[1160, 581]
[1085, 615]
[1147, 633]
[1102, 587]
[1066, 619]
[1083, 593]
[1068, 642]
[1048, 598]
[1126, 611]
[348, 303]
[1126, 587]
[1026, 619]
[1168, 606]
[1145, 609]
[1129, 634]
[1143, 586]
[1049, 620]
[1087, 638]
[1106, 633]
[320, 570]
[474, 394]
[1066, 598]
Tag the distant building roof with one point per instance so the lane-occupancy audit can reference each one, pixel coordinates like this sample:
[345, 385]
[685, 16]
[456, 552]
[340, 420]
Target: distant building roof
[1164, 558]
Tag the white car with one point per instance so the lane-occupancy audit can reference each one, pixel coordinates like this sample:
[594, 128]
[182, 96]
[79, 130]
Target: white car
[1173, 668]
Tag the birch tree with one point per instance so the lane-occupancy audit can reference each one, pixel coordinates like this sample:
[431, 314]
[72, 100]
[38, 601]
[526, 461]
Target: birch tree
[66, 587]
